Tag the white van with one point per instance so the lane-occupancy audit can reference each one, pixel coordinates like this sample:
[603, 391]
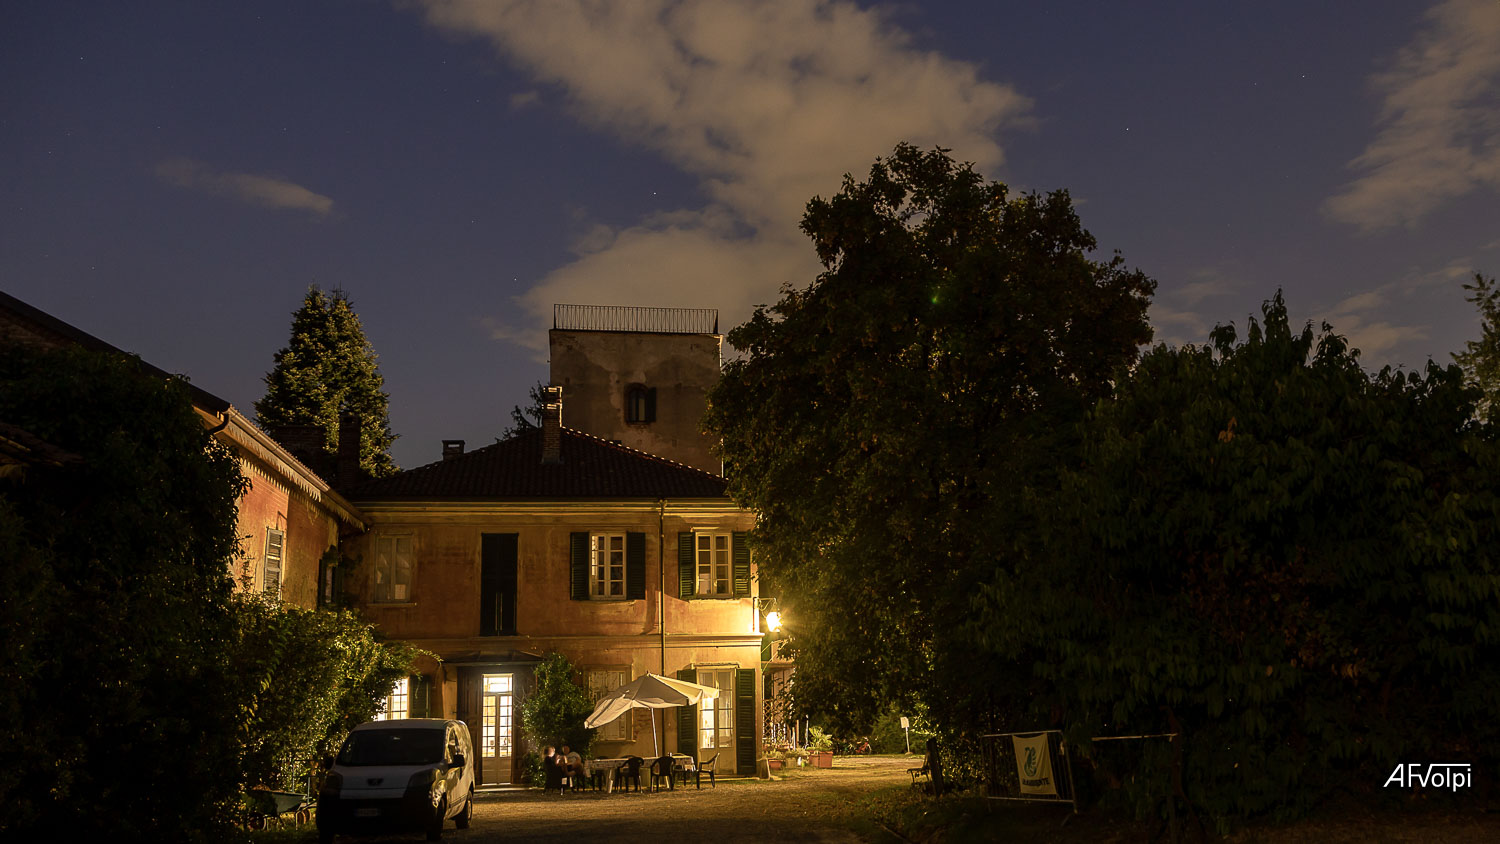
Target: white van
[399, 776]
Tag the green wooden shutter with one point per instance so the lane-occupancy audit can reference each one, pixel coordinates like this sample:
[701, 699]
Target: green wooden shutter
[687, 719]
[745, 739]
[651, 405]
[741, 565]
[579, 550]
[687, 575]
[635, 566]
[497, 584]
[489, 584]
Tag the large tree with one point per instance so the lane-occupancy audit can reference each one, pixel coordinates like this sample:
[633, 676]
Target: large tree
[1293, 563]
[883, 420]
[118, 718]
[327, 370]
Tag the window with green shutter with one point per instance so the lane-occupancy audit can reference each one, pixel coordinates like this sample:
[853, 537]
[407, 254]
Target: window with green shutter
[686, 571]
[741, 565]
[744, 720]
[687, 719]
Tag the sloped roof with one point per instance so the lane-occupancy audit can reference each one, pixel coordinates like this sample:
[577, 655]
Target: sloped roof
[591, 468]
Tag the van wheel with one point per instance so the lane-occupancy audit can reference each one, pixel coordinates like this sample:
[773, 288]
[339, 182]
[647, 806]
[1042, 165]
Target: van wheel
[468, 813]
[435, 828]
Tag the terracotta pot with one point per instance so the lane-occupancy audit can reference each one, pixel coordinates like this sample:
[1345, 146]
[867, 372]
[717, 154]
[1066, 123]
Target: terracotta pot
[775, 764]
[823, 759]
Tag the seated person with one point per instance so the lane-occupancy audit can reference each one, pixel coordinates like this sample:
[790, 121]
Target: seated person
[571, 762]
[552, 768]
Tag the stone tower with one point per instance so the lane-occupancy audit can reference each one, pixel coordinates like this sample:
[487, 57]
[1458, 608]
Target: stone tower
[638, 376]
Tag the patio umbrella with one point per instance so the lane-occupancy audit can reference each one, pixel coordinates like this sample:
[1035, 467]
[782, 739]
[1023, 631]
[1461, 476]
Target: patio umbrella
[652, 691]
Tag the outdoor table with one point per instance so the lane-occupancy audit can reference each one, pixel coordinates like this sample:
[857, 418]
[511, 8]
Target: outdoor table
[608, 768]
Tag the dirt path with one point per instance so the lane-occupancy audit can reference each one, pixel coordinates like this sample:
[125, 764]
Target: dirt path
[806, 805]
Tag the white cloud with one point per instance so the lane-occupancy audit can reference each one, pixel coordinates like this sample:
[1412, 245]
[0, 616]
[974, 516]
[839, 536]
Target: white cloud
[767, 103]
[1440, 121]
[267, 191]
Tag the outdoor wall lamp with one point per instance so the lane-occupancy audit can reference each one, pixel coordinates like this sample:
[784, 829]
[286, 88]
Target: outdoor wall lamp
[773, 617]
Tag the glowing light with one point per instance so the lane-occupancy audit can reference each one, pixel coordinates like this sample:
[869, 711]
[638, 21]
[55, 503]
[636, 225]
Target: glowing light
[773, 621]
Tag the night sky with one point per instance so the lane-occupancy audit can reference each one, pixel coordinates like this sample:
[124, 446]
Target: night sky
[173, 176]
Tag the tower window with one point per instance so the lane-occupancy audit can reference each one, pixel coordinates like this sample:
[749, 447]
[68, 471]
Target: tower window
[640, 403]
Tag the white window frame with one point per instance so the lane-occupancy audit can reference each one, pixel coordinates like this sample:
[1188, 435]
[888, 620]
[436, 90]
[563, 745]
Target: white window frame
[271, 574]
[607, 567]
[601, 681]
[716, 716]
[713, 566]
[388, 586]
[398, 702]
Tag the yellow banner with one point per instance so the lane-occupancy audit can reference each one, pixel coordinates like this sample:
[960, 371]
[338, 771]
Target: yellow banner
[1034, 765]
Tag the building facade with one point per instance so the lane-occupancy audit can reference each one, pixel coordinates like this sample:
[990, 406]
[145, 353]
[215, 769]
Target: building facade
[558, 541]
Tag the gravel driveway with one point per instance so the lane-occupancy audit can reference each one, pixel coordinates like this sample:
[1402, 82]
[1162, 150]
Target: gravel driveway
[804, 806]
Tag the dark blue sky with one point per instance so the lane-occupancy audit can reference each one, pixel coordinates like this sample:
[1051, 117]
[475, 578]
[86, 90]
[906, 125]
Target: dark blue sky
[174, 175]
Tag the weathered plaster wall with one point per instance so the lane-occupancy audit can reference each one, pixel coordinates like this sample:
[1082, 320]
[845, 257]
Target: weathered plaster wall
[595, 368]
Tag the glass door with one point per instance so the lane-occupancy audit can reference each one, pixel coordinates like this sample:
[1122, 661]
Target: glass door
[716, 719]
[497, 729]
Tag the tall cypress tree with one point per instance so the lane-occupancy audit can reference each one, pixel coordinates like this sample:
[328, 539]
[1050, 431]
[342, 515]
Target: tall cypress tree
[328, 369]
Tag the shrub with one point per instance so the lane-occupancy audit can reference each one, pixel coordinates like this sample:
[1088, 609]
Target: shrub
[555, 712]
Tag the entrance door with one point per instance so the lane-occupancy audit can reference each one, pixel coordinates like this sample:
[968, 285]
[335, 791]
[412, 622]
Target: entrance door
[716, 719]
[496, 742]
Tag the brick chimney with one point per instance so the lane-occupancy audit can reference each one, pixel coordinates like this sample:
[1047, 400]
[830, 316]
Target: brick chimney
[452, 449]
[552, 424]
[349, 472]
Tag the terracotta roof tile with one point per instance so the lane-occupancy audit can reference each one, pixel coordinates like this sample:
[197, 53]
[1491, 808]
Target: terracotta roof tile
[591, 468]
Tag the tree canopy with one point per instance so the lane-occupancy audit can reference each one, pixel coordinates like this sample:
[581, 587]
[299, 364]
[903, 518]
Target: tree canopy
[328, 369]
[1288, 560]
[883, 420]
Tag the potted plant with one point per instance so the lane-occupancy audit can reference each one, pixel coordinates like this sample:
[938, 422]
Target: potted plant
[775, 760]
[820, 746]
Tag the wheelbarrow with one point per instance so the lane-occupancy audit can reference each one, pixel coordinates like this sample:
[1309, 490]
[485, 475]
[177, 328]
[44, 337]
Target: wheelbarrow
[264, 804]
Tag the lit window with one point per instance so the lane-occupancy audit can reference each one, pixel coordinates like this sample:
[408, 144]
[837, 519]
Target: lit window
[398, 702]
[275, 542]
[716, 716]
[713, 563]
[607, 566]
[602, 681]
[393, 565]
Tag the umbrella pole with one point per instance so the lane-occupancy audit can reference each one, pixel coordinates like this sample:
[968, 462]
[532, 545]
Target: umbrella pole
[654, 743]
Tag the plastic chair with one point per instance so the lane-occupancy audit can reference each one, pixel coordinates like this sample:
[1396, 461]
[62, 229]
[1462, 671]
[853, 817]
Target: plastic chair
[630, 772]
[705, 768]
[661, 771]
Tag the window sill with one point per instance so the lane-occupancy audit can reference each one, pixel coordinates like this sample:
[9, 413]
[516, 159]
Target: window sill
[392, 604]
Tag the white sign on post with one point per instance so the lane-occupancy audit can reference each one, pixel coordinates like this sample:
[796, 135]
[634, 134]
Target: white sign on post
[906, 725]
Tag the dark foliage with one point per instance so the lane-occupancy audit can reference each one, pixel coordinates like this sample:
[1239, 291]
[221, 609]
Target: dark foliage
[117, 717]
[1291, 561]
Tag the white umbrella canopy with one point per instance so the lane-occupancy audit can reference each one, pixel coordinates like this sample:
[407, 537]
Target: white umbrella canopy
[651, 691]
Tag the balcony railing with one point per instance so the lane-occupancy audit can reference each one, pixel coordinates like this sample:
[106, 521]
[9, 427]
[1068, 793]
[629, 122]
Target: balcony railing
[644, 320]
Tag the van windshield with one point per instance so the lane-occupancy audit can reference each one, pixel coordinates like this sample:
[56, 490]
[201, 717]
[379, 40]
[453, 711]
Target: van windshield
[392, 747]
